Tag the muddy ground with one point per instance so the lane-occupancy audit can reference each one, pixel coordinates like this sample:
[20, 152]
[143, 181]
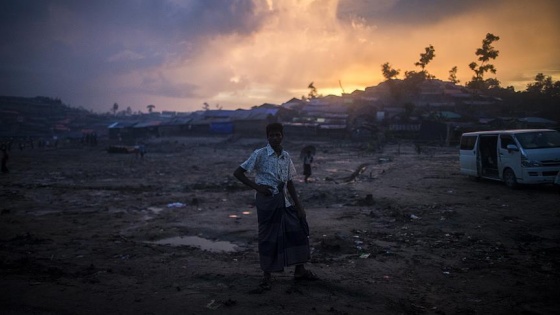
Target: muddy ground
[83, 231]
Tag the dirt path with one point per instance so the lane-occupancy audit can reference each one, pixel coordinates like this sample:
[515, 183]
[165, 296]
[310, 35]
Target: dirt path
[79, 233]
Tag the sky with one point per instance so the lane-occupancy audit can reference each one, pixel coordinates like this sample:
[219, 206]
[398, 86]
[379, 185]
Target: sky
[230, 54]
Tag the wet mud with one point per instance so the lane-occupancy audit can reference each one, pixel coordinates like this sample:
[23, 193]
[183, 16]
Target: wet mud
[85, 231]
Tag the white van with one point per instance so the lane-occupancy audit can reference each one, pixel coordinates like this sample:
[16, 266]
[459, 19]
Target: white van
[522, 156]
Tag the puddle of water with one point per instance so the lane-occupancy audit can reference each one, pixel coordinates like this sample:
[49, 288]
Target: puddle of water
[202, 243]
[332, 170]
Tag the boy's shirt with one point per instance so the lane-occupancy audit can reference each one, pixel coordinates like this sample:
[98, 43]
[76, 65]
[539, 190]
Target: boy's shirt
[271, 169]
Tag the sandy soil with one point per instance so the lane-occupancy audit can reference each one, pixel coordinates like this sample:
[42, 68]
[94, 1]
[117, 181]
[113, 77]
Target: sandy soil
[83, 231]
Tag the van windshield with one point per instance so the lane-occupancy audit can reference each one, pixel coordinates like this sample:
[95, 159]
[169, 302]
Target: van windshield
[539, 139]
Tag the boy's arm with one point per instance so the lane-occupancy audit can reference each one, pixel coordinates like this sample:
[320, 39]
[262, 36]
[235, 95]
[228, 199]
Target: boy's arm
[239, 173]
[293, 193]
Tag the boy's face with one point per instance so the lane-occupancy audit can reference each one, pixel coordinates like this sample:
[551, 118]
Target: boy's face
[274, 138]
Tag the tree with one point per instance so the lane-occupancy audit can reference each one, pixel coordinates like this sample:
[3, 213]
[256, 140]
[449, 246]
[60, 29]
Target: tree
[205, 106]
[389, 72]
[151, 108]
[485, 54]
[453, 75]
[128, 111]
[313, 91]
[543, 97]
[544, 86]
[425, 58]
[115, 109]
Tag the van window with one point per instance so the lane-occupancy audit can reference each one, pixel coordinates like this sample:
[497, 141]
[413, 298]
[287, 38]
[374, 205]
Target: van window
[539, 139]
[468, 142]
[505, 140]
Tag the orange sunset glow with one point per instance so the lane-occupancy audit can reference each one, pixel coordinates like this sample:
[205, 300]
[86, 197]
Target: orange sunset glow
[238, 54]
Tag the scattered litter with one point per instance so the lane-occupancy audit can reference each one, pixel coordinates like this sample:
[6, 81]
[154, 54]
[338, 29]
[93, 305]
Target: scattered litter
[365, 255]
[412, 216]
[233, 216]
[446, 272]
[213, 305]
[176, 205]
[246, 212]
[155, 209]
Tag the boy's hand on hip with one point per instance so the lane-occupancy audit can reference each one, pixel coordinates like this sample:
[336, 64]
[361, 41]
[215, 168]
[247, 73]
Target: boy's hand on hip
[264, 189]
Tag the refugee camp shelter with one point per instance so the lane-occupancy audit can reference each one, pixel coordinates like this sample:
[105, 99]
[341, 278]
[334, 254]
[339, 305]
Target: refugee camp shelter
[121, 130]
[252, 122]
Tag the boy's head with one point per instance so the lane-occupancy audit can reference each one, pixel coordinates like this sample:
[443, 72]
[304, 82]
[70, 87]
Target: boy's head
[275, 134]
[274, 127]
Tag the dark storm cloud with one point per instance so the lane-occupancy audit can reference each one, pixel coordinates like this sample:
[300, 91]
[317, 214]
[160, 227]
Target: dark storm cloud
[49, 46]
[387, 13]
[167, 19]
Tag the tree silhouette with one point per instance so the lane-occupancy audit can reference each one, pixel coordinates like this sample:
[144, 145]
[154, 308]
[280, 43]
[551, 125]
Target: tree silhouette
[151, 108]
[544, 86]
[485, 54]
[313, 91]
[388, 72]
[453, 75]
[426, 57]
[115, 109]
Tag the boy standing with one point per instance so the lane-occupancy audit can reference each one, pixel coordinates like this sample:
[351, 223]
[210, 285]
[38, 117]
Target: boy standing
[283, 230]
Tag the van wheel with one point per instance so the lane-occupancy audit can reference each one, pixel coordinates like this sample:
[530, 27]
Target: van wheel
[509, 178]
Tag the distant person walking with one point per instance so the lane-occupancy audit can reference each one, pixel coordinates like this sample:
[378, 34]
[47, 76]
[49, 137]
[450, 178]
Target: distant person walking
[5, 158]
[283, 229]
[140, 150]
[307, 160]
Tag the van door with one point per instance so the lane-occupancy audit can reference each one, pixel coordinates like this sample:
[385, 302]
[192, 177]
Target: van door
[468, 155]
[509, 159]
[488, 147]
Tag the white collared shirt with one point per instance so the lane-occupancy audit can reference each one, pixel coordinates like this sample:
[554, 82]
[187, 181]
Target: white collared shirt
[271, 169]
